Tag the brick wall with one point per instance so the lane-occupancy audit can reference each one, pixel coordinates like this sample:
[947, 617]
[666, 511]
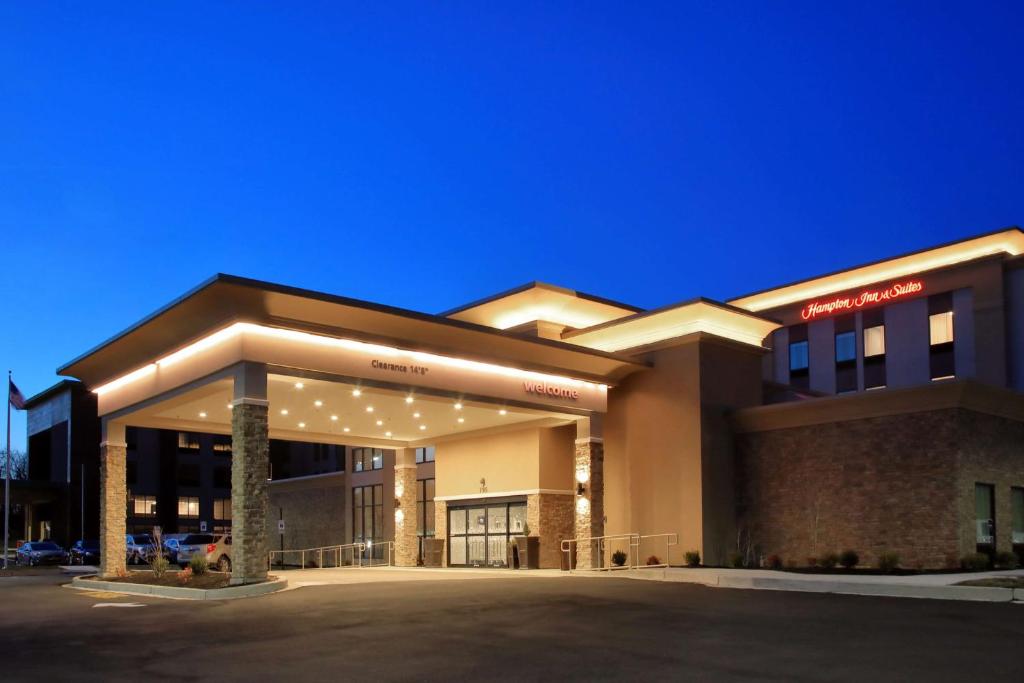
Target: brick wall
[902, 483]
[315, 512]
[550, 516]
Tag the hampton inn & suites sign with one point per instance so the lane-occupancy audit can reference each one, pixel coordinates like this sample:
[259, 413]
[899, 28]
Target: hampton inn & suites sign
[853, 302]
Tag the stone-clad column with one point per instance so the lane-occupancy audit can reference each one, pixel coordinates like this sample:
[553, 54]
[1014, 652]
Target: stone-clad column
[113, 500]
[589, 477]
[250, 458]
[406, 541]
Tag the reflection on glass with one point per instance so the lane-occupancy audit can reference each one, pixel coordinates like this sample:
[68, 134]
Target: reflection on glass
[457, 521]
[496, 520]
[457, 550]
[477, 550]
[517, 518]
[477, 520]
[496, 550]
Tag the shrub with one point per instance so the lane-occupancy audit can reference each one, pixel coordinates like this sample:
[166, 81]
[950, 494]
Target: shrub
[198, 565]
[619, 558]
[1005, 560]
[692, 558]
[888, 561]
[829, 560]
[652, 560]
[849, 559]
[736, 560]
[773, 562]
[975, 561]
[185, 575]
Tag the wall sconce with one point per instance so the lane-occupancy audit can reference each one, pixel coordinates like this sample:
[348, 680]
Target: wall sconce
[582, 506]
[399, 490]
[580, 489]
[399, 516]
[582, 474]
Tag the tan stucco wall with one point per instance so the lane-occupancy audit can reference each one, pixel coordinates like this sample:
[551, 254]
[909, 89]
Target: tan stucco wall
[557, 446]
[507, 461]
[668, 457]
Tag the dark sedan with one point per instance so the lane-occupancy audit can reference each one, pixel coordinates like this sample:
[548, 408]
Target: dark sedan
[84, 552]
[39, 552]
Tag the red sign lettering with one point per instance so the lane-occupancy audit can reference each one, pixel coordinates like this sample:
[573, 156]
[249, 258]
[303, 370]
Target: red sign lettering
[869, 297]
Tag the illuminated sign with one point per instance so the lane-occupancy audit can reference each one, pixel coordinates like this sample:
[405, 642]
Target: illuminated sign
[841, 304]
[546, 389]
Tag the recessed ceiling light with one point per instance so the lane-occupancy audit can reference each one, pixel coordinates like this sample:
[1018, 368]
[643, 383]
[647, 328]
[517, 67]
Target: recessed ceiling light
[458, 406]
[318, 403]
[387, 433]
[408, 399]
[369, 409]
[422, 427]
[302, 425]
[230, 406]
[416, 415]
[202, 413]
[461, 420]
[299, 385]
[380, 423]
[502, 412]
[357, 393]
[334, 418]
[284, 411]
[346, 429]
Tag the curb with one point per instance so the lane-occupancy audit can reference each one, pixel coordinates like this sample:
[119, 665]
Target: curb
[1018, 594]
[970, 593]
[177, 593]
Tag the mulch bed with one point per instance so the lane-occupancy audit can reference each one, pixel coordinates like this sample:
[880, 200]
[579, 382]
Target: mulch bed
[996, 582]
[203, 581]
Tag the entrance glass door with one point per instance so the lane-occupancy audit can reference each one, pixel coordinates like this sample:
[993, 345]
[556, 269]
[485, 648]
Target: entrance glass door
[478, 534]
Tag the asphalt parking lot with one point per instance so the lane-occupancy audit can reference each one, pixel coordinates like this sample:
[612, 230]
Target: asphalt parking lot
[504, 629]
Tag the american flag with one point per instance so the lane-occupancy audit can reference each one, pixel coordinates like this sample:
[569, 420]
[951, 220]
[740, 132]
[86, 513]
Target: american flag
[17, 398]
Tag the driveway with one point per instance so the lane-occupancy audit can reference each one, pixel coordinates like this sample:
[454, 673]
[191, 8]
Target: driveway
[504, 628]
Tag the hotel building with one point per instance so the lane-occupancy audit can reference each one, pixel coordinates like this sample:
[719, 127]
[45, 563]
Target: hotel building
[880, 408]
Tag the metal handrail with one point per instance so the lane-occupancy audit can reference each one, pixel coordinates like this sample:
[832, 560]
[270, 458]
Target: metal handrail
[633, 556]
[670, 541]
[357, 554]
[602, 541]
[390, 556]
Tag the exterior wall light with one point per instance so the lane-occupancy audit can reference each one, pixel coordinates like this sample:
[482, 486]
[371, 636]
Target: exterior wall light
[399, 490]
[399, 516]
[582, 506]
[582, 474]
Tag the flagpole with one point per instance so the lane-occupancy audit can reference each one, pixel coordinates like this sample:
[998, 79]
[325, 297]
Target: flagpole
[7, 477]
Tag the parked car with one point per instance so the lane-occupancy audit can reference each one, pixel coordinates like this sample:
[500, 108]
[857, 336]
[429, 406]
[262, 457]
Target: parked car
[39, 552]
[216, 548]
[139, 548]
[171, 543]
[84, 552]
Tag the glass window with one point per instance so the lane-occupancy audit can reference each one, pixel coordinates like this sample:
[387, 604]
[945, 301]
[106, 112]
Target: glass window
[477, 523]
[188, 474]
[143, 506]
[425, 454]
[984, 514]
[188, 506]
[846, 347]
[368, 513]
[425, 507]
[798, 356]
[874, 341]
[1017, 502]
[222, 444]
[364, 459]
[187, 441]
[222, 508]
[940, 327]
[517, 519]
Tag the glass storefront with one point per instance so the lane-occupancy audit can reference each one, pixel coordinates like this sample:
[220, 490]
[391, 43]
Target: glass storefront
[478, 534]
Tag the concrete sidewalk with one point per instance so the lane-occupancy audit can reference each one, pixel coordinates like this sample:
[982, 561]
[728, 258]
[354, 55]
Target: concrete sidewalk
[933, 586]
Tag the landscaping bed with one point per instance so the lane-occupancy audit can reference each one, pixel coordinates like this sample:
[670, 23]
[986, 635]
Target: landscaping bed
[201, 581]
[996, 582]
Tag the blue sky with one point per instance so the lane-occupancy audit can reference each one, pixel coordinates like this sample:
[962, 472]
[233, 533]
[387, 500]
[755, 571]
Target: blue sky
[427, 154]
